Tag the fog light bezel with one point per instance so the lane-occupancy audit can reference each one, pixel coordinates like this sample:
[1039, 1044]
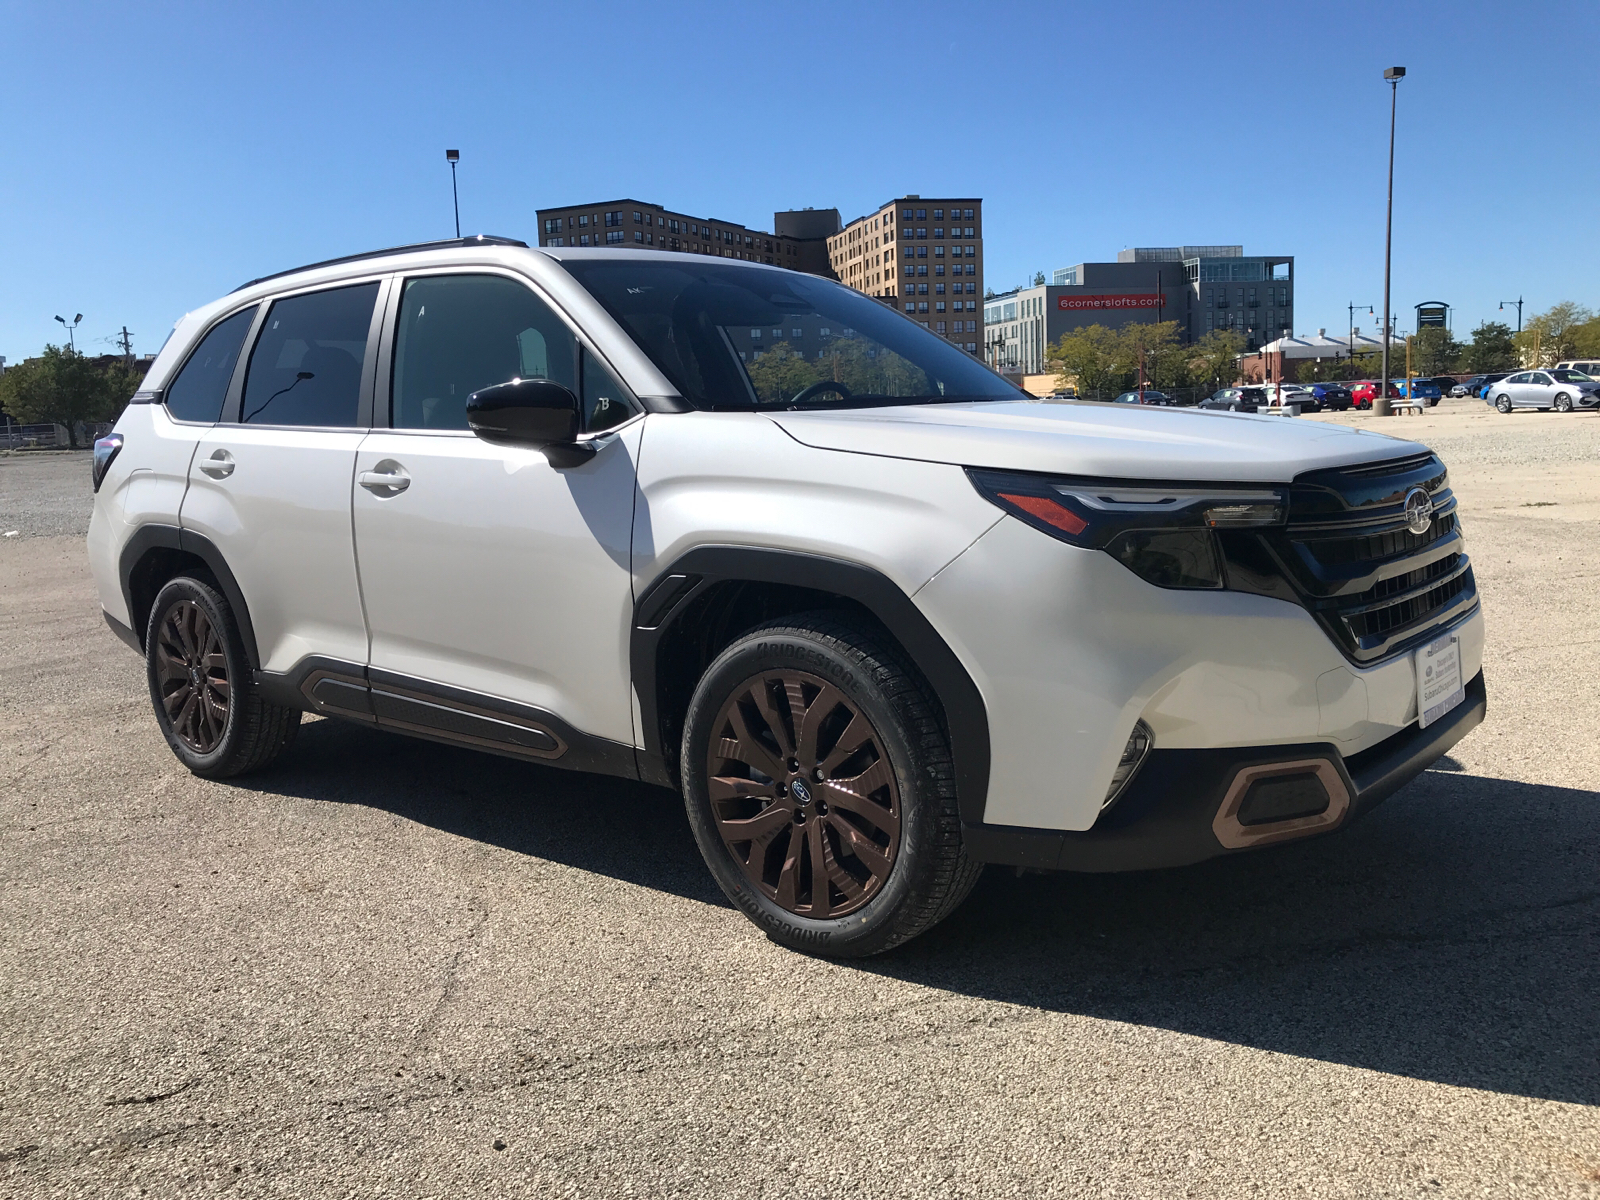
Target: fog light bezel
[1235, 835]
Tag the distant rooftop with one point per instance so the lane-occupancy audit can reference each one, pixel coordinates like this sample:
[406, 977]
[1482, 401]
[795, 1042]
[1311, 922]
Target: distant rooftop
[1177, 253]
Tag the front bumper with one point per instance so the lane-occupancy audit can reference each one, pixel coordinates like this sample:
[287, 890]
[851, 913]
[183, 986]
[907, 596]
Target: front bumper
[1176, 810]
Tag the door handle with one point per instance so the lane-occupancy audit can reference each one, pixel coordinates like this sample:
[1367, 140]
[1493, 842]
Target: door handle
[388, 478]
[219, 466]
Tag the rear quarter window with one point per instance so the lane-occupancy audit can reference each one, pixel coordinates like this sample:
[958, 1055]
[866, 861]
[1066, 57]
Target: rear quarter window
[198, 391]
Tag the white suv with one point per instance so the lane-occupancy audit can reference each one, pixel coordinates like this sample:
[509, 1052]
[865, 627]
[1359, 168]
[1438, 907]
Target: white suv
[752, 535]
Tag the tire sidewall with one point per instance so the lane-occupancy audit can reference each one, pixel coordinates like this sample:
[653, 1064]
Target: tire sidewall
[217, 612]
[789, 649]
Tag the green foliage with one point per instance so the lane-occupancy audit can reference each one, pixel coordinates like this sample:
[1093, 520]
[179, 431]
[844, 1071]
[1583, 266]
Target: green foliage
[1214, 361]
[1434, 351]
[65, 387]
[1340, 370]
[866, 369]
[1551, 336]
[1103, 362]
[1038, 279]
[1586, 339]
[1492, 348]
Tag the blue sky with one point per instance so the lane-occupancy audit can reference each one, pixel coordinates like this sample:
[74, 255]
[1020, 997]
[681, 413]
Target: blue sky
[156, 156]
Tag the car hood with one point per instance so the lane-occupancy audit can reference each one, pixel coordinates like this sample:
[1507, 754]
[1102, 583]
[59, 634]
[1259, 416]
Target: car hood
[1112, 441]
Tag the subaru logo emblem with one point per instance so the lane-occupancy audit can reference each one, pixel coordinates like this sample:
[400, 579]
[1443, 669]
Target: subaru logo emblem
[801, 792]
[1419, 511]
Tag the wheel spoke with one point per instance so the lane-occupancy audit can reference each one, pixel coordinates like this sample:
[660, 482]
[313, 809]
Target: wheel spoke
[869, 781]
[174, 699]
[869, 810]
[724, 788]
[821, 898]
[750, 750]
[773, 718]
[808, 725]
[872, 857]
[184, 721]
[856, 734]
[762, 827]
[789, 874]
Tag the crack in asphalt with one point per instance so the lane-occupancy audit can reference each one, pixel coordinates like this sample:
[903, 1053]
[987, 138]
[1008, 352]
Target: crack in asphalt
[430, 1023]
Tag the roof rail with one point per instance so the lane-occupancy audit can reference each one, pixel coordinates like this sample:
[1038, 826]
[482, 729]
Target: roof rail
[481, 239]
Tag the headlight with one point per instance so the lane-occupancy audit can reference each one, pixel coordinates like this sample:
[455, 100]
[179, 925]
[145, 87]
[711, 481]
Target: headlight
[1160, 532]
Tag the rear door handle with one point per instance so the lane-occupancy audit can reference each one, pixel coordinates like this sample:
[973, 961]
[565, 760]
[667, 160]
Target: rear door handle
[388, 479]
[219, 466]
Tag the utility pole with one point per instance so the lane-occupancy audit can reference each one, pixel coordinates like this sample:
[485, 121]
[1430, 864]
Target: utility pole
[126, 342]
[1380, 403]
[452, 157]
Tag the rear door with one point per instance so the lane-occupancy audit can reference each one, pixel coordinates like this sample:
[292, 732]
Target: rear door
[270, 484]
[1541, 390]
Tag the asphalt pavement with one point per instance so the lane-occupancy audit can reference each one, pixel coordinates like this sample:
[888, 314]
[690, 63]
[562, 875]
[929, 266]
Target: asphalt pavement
[388, 968]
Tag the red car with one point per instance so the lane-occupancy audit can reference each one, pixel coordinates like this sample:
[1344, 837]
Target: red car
[1365, 391]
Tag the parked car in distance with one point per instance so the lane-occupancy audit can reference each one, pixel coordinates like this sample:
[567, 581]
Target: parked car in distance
[1363, 392]
[1481, 390]
[1468, 386]
[1235, 399]
[1332, 397]
[1150, 396]
[1562, 390]
[1291, 393]
[1589, 366]
[1419, 389]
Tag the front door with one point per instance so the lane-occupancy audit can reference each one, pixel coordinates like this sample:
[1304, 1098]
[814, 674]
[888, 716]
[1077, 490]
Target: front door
[269, 485]
[497, 581]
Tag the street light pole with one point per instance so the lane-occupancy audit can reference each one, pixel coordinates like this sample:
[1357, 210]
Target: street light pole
[1380, 402]
[453, 157]
[1503, 303]
[71, 342]
[1352, 309]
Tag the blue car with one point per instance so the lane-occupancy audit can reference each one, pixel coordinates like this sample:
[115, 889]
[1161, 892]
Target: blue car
[1331, 396]
[1420, 389]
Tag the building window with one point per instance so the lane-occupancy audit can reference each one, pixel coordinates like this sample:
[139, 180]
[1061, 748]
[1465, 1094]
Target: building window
[922, 268]
[922, 306]
[971, 270]
[941, 327]
[939, 307]
[922, 289]
[922, 214]
[638, 218]
[910, 252]
[967, 215]
[922, 233]
[938, 251]
[638, 235]
[910, 271]
[613, 218]
[938, 214]
[755, 333]
[615, 235]
[552, 225]
[583, 239]
[938, 289]
[938, 233]
[910, 307]
[557, 242]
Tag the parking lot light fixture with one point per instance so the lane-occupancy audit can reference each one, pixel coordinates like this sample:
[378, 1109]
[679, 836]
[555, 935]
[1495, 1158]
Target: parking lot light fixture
[71, 341]
[452, 157]
[1503, 303]
[1380, 403]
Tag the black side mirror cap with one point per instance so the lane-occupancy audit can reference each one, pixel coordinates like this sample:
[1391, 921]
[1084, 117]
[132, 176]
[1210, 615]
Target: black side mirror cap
[525, 412]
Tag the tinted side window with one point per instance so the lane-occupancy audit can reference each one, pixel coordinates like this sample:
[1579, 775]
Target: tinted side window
[201, 387]
[460, 333]
[306, 367]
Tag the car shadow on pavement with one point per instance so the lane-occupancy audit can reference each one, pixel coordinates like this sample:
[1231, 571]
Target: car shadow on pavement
[1450, 936]
[615, 827]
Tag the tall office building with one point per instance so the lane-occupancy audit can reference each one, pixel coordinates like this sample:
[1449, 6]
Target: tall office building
[925, 257]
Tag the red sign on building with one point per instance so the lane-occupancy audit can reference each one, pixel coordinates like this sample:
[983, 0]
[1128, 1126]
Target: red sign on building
[1077, 302]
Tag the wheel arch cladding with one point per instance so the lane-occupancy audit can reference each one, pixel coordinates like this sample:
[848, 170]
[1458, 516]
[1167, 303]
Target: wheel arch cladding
[708, 596]
[156, 554]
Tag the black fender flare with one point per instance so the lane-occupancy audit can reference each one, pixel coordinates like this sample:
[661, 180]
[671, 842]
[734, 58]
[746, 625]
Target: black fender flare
[170, 537]
[693, 572]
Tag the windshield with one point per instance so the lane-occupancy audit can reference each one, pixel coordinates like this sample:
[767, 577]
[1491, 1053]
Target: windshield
[754, 337]
[1572, 377]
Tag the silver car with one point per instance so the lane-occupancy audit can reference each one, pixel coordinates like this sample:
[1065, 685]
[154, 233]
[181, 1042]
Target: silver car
[1560, 389]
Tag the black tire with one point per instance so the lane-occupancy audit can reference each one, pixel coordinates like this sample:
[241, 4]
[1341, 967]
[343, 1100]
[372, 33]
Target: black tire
[194, 658]
[1563, 403]
[856, 677]
[1502, 403]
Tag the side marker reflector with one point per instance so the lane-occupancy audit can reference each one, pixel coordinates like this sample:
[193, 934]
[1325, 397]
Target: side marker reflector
[1048, 511]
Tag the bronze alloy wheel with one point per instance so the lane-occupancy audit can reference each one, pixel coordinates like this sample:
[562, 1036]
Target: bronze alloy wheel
[192, 676]
[803, 794]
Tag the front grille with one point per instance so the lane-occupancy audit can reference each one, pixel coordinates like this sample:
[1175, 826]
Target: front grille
[1347, 556]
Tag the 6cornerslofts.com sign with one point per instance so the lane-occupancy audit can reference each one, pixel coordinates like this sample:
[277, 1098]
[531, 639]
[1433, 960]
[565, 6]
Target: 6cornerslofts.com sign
[1077, 302]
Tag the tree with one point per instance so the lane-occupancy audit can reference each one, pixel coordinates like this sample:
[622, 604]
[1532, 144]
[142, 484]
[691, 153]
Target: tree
[64, 387]
[1434, 351]
[1214, 361]
[1085, 358]
[1038, 279]
[1493, 348]
[1549, 337]
[1586, 339]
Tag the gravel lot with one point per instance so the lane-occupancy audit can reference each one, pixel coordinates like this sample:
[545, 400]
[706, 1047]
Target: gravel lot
[388, 968]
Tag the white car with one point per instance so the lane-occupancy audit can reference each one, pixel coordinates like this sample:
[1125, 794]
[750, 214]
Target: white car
[1561, 388]
[748, 534]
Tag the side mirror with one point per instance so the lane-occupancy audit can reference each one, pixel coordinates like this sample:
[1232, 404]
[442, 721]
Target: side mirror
[525, 412]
